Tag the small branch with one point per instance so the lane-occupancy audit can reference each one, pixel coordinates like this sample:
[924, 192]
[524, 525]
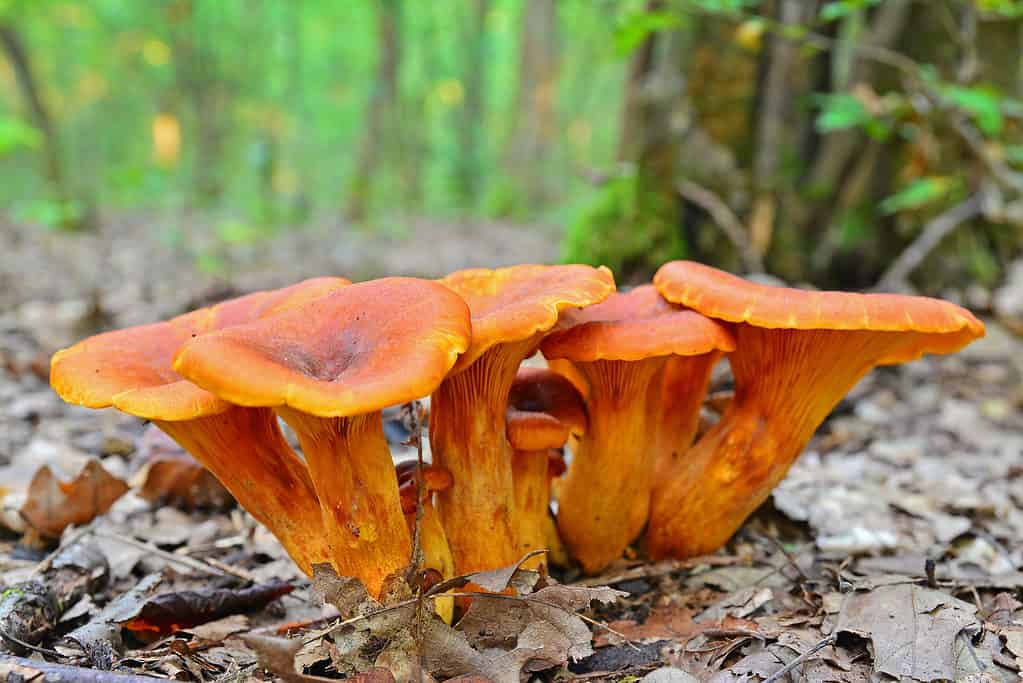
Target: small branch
[929, 238]
[777, 675]
[18, 668]
[726, 219]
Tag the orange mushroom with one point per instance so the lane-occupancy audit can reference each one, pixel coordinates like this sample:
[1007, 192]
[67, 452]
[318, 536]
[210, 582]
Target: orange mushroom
[328, 368]
[130, 369]
[620, 347]
[432, 539]
[797, 354]
[544, 408]
[512, 309]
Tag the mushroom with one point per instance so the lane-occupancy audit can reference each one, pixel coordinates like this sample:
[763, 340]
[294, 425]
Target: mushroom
[328, 368]
[432, 539]
[512, 309]
[679, 396]
[130, 369]
[620, 346]
[797, 354]
[544, 408]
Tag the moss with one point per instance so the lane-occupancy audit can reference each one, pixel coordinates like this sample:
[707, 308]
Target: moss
[627, 226]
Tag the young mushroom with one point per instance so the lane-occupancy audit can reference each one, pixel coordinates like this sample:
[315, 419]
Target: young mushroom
[544, 409]
[432, 539]
[130, 369]
[797, 354]
[620, 347]
[512, 309]
[328, 368]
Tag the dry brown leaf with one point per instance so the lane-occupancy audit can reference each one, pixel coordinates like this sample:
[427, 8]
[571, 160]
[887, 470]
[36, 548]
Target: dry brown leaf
[169, 474]
[52, 505]
[670, 622]
[277, 655]
[913, 630]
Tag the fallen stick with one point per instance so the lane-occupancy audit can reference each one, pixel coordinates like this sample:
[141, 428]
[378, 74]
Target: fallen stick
[18, 668]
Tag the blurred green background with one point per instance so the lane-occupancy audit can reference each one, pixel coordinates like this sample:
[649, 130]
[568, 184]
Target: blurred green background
[838, 142]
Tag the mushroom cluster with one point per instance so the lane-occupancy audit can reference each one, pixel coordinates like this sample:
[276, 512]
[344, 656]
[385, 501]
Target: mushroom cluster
[628, 376]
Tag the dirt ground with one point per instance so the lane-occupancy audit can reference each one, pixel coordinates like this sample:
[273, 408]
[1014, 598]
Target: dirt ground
[892, 551]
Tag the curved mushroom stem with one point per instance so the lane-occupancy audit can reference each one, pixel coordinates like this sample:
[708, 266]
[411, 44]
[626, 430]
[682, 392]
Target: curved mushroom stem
[605, 496]
[467, 437]
[532, 503]
[679, 397]
[245, 450]
[786, 383]
[353, 473]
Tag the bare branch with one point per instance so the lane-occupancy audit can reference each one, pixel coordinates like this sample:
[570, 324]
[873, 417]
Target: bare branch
[726, 219]
[929, 238]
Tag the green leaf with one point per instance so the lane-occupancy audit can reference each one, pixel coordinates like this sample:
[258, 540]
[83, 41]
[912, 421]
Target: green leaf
[982, 103]
[639, 26]
[919, 193]
[841, 111]
[840, 9]
[15, 134]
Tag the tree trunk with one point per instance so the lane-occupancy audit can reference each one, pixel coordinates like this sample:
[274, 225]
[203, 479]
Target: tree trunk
[380, 111]
[469, 174]
[536, 130]
[53, 163]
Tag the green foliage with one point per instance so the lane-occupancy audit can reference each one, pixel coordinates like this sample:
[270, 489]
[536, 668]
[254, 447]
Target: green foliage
[842, 111]
[840, 9]
[982, 103]
[638, 25]
[623, 227]
[52, 214]
[920, 193]
[16, 135]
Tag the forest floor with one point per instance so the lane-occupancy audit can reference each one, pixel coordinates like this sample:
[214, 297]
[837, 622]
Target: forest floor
[891, 551]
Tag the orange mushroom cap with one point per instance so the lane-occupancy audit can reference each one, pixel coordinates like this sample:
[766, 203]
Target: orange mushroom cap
[944, 327]
[131, 369]
[512, 304]
[537, 390]
[632, 326]
[532, 431]
[357, 350]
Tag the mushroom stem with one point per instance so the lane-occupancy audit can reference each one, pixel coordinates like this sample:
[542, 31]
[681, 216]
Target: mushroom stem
[467, 436]
[245, 450]
[351, 468]
[786, 383]
[604, 498]
[532, 502]
[679, 396]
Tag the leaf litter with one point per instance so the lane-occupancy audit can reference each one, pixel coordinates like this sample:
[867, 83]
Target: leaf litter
[889, 552]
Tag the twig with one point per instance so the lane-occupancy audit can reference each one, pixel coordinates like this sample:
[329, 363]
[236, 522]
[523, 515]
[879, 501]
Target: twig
[78, 535]
[726, 219]
[776, 676]
[929, 238]
[19, 668]
[29, 646]
[183, 560]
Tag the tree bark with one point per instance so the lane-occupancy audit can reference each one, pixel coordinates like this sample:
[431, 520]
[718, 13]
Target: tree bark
[536, 130]
[53, 163]
[380, 114]
[470, 163]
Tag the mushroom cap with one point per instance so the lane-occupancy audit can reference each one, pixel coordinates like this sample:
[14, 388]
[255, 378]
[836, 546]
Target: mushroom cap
[538, 390]
[943, 326]
[512, 304]
[434, 479]
[131, 369]
[357, 350]
[532, 431]
[634, 325]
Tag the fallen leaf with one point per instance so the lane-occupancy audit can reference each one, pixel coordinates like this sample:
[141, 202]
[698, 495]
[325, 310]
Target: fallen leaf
[168, 474]
[913, 630]
[170, 612]
[51, 505]
[277, 655]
